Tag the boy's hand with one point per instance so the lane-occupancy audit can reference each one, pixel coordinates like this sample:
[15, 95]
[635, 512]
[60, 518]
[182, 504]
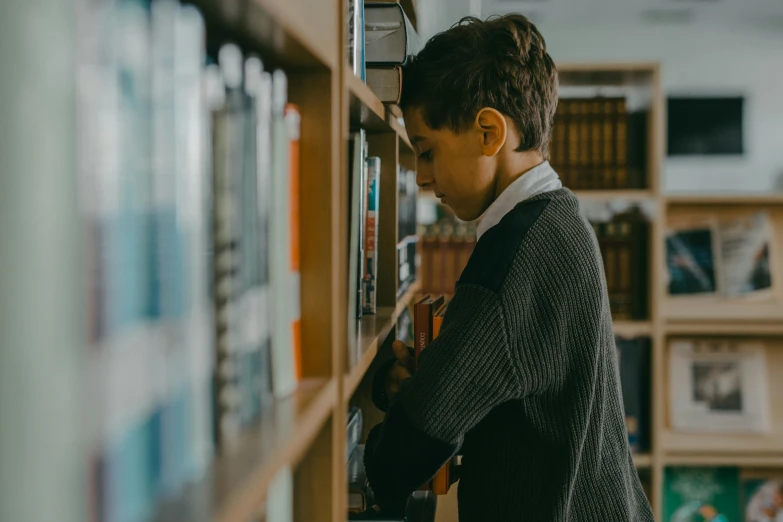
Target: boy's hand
[401, 370]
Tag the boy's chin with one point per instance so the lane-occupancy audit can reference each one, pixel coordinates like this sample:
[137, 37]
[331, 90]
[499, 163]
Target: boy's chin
[464, 214]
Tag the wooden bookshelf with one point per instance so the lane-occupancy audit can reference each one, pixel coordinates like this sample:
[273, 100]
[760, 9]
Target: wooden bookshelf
[305, 431]
[642, 460]
[646, 77]
[631, 196]
[238, 479]
[709, 317]
[373, 331]
[366, 110]
[632, 329]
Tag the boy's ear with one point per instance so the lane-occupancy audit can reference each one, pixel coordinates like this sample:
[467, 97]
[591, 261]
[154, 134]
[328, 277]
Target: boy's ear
[492, 126]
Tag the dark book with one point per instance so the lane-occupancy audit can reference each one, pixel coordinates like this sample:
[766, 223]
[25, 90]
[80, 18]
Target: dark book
[386, 83]
[389, 35]
[638, 122]
[624, 245]
[634, 362]
[354, 429]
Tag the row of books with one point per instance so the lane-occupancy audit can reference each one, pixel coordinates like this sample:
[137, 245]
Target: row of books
[624, 242]
[380, 40]
[597, 143]
[365, 176]
[446, 247]
[189, 185]
[623, 238]
[722, 494]
[710, 257]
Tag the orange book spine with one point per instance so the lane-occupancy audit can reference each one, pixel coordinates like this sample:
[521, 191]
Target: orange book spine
[442, 479]
[293, 124]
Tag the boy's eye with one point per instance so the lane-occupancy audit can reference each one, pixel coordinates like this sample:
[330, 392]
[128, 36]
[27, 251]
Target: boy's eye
[426, 156]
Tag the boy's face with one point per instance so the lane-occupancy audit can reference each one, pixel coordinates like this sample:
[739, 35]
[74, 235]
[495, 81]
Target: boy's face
[453, 165]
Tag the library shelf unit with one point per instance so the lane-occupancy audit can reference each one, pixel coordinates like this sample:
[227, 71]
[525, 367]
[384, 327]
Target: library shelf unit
[305, 431]
[677, 318]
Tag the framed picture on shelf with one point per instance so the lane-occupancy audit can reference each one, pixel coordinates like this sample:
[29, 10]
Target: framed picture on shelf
[718, 386]
[692, 259]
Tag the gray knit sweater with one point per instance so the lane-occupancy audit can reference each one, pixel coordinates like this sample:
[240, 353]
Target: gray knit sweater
[522, 381]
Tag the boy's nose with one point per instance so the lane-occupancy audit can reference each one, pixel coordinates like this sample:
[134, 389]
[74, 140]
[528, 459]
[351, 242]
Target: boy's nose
[423, 176]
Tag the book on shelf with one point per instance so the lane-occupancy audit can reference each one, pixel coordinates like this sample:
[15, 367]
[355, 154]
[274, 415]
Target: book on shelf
[446, 246]
[428, 315]
[634, 361]
[280, 496]
[598, 143]
[145, 192]
[358, 487]
[718, 386]
[353, 429]
[386, 83]
[389, 36]
[284, 244]
[370, 261]
[709, 494]
[356, 53]
[293, 121]
[623, 241]
[730, 259]
[357, 151]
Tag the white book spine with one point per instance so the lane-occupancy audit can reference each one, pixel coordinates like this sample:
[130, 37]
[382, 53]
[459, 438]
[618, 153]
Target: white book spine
[283, 367]
[369, 282]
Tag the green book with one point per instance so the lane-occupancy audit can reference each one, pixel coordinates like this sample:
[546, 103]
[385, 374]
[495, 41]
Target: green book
[702, 495]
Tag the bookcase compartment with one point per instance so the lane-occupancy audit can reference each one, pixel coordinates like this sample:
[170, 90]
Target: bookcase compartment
[299, 34]
[606, 134]
[763, 308]
[726, 447]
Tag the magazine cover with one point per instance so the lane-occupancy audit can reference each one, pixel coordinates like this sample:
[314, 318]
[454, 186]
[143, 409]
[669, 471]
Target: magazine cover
[763, 500]
[691, 260]
[745, 255]
[702, 495]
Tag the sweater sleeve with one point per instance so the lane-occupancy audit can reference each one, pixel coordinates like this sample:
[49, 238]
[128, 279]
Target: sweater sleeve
[464, 373]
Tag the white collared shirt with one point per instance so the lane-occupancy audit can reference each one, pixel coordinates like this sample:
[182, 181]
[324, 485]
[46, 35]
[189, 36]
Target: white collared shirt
[537, 180]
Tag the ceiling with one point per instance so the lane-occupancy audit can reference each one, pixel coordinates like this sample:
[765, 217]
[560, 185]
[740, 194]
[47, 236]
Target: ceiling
[667, 12]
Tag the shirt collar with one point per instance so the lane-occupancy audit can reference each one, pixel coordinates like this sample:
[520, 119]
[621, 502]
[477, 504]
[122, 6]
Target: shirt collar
[537, 180]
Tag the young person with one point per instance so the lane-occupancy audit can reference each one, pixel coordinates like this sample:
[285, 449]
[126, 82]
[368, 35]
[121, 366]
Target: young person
[522, 379]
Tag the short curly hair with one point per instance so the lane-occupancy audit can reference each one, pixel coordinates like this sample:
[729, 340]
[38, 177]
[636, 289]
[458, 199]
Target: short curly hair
[500, 63]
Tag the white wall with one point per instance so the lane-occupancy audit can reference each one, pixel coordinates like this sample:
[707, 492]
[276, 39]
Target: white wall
[435, 16]
[700, 59]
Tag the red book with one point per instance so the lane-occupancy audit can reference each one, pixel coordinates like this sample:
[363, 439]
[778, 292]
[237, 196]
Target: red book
[427, 319]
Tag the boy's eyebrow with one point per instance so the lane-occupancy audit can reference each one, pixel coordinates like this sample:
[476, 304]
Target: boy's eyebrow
[417, 139]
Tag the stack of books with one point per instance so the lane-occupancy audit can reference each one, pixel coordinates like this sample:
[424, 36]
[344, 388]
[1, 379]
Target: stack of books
[380, 40]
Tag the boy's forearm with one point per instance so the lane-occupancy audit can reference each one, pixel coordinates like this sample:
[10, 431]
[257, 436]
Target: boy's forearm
[400, 457]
